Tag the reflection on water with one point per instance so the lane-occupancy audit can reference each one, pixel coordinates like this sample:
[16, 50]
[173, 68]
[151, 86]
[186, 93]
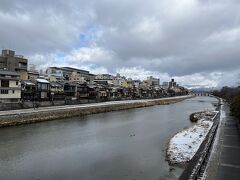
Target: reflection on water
[116, 145]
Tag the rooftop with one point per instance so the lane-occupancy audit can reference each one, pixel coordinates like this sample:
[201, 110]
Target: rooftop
[42, 81]
[28, 82]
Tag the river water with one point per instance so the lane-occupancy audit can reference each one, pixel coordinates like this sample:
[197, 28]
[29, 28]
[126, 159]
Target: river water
[122, 145]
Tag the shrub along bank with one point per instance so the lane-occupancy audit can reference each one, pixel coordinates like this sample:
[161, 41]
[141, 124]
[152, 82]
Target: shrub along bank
[232, 96]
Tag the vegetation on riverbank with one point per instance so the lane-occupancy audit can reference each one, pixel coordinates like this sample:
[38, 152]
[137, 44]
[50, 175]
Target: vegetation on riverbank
[196, 116]
[232, 96]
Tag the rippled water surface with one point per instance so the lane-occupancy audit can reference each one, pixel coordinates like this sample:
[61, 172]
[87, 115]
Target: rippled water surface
[109, 146]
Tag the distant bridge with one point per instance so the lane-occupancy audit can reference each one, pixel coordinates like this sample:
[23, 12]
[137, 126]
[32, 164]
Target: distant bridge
[201, 94]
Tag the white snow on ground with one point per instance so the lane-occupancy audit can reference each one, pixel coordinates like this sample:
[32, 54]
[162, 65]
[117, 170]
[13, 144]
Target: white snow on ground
[184, 145]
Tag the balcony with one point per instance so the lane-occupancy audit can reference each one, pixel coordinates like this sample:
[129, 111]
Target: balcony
[10, 88]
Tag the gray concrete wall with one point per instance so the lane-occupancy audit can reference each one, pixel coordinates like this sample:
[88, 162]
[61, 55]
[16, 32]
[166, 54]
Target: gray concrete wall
[38, 116]
[29, 104]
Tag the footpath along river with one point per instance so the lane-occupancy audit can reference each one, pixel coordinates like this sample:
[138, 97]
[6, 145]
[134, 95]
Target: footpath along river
[120, 145]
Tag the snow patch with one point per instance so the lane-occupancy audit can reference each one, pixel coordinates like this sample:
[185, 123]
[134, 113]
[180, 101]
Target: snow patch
[184, 145]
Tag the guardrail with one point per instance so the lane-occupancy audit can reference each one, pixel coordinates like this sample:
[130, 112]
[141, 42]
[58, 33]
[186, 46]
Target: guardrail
[197, 164]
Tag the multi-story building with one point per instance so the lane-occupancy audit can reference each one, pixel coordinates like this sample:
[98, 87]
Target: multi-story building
[111, 79]
[105, 76]
[151, 81]
[66, 72]
[10, 88]
[11, 62]
[76, 77]
[33, 74]
[165, 85]
[136, 83]
[172, 83]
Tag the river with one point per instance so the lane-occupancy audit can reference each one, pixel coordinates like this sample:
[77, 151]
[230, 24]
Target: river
[121, 145]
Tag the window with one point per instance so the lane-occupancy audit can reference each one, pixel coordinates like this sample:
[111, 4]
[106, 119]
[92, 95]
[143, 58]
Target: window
[13, 91]
[3, 91]
[4, 83]
[43, 86]
[16, 83]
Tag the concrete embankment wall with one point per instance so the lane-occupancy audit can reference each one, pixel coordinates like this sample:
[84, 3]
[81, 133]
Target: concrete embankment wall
[45, 115]
[30, 104]
[197, 165]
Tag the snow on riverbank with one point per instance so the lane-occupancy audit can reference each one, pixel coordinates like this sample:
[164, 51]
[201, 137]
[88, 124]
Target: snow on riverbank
[183, 146]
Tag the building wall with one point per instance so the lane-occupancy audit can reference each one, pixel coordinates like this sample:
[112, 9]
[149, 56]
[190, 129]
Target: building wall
[151, 81]
[23, 75]
[3, 62]
[57, 89]
[13, 83]
[32, 75]
[74, 76]
[12, 62]
[15, 63]
[56, 72]
[12, 93]
[70, 74]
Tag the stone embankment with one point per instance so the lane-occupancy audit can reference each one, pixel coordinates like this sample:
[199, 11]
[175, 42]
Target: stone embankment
[26, 116]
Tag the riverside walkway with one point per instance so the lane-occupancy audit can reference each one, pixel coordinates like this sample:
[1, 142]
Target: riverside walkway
[81, 106]
[225, 158]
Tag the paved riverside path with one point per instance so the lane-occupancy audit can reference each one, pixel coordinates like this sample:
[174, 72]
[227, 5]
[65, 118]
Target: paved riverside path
[55, 108]
[225, 161]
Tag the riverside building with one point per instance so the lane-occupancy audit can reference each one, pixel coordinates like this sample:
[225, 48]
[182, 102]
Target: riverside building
[10, 88]
[12, 62]
[72, 74]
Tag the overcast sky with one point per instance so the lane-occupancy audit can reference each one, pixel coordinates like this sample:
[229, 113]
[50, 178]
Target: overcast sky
[195, 41]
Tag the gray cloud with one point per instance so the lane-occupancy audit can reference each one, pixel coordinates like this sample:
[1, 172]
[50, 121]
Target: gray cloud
[188, 39]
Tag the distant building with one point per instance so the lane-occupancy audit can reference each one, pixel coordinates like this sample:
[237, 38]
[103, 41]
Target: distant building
[136, 83]
[11, 62]
[117, 80]
[32, 75]
[10, 88]
[103, 81]
[151, 81]
[76, 77]
[165, 84]
[172, 83]
[32, 67]
[66, 73]
[105, 76]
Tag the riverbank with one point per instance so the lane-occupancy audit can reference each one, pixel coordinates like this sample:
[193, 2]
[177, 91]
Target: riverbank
[197, 165]
[185, 144]
[26, 116]
[119, 145]
[224, 160]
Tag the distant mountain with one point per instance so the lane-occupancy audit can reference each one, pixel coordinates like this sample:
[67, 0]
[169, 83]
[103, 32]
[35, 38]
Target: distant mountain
[197, 88]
